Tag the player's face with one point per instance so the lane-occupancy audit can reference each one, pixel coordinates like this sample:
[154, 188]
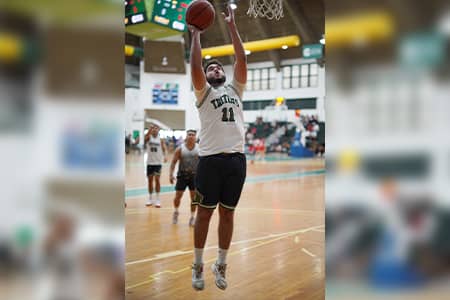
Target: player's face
[191, 137]
[155, 130]
[215, 74]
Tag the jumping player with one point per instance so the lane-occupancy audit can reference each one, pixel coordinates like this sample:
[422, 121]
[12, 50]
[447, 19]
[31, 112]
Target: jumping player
[222, 165]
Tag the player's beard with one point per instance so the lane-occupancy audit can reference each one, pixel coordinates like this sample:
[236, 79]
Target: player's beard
[217, 81]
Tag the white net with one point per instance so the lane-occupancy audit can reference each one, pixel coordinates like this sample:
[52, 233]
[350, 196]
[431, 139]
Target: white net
[270, 9]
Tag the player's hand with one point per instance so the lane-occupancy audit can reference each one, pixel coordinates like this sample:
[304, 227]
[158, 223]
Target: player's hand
[172, 179]
[165, 159]
[195, 30]
[230, 18]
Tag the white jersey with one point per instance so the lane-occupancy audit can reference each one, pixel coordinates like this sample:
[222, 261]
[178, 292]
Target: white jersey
[154, 151]
[221, 118]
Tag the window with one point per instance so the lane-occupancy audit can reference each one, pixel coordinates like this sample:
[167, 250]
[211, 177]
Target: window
[261, 79]
[304, 103]
[300, 76]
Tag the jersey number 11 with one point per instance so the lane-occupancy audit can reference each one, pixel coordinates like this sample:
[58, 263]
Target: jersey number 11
[225, 117]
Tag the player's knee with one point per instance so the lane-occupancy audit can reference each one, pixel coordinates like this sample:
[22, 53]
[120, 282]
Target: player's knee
[226, 215]
[204, 214]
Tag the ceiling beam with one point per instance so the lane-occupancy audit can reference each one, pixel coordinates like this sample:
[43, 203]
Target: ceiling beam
[222, 25]
[273, 54]
[299, 19]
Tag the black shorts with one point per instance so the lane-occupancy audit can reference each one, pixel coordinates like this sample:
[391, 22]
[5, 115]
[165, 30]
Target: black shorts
[220, 179]
[153, 170]
[185, 180]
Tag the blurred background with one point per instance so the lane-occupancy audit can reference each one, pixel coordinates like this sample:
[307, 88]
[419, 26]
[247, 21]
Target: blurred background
[61, 120]
[388, 154]
[61, 133]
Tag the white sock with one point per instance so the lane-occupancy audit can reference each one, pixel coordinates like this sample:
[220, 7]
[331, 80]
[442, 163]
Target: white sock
[157, 196]
[192, 213]
[198, 252]
[176, 209]
[150, 197]
[222, 256]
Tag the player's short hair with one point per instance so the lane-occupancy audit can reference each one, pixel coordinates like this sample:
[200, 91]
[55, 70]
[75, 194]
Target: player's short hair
[212, 62]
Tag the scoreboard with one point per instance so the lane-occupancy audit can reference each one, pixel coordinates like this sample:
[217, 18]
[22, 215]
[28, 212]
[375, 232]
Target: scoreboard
[135, 12]
[170, 13]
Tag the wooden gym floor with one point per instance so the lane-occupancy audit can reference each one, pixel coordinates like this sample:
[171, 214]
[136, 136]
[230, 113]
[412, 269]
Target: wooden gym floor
[277, 251]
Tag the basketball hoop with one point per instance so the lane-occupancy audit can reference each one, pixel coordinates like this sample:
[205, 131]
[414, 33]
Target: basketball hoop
[270, 9]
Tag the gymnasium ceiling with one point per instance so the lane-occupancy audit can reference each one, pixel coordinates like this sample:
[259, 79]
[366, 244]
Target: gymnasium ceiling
[304, 18]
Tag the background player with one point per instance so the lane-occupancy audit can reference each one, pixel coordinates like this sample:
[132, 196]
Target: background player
[156, 154]
[187, 154]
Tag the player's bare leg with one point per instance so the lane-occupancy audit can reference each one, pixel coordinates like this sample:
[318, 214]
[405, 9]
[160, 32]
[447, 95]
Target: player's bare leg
[150, 191]
[193, 208]
[176, 205]
[226, 222]
[200, 234]
[158, 189]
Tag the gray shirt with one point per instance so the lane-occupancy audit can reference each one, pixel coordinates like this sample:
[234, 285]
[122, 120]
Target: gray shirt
[188, 160]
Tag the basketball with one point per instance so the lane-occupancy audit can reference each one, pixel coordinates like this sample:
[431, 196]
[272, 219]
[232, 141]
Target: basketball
[200, 13]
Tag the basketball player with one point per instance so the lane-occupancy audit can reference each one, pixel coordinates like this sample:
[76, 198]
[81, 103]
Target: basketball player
[187, 154]
[156, 153]
[221, 169]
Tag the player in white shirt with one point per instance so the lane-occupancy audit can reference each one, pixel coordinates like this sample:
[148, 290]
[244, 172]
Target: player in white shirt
[156, 154]
[221, 169]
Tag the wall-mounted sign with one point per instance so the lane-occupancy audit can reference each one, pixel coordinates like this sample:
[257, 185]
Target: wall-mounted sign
[313, 51]
[164, 57]
[165, 93]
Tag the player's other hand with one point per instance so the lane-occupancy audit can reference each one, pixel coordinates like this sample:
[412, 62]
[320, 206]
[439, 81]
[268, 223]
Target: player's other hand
[230, 17]
[172, 179]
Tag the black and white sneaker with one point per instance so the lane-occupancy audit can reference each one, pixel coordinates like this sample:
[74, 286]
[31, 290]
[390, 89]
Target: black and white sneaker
[219, 273]
[198, 283]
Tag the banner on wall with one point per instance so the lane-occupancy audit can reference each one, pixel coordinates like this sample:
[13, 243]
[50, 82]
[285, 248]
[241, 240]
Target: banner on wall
[165, 93]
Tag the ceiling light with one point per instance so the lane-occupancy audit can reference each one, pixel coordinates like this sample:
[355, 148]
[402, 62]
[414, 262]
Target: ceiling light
[248, 52]
[322, 41]
[284, 47]
[233, 6]
[207, 56]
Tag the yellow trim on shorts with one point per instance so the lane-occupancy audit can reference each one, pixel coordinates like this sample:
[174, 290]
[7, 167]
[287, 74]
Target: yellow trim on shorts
[226, 206]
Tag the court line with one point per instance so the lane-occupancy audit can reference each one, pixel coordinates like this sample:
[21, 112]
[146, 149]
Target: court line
[137, 211]
[177, 253]
[153, 276]
[138, 192]
[309, 253]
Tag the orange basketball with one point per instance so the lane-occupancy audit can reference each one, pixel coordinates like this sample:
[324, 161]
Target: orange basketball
[200, 13]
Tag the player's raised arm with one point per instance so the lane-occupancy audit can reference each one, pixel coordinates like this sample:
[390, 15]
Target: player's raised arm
[197, 74]
[240, 66]
[147, 135]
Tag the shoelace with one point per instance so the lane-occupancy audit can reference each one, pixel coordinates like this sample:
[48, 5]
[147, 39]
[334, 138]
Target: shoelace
[198, 271]
[222, 269]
